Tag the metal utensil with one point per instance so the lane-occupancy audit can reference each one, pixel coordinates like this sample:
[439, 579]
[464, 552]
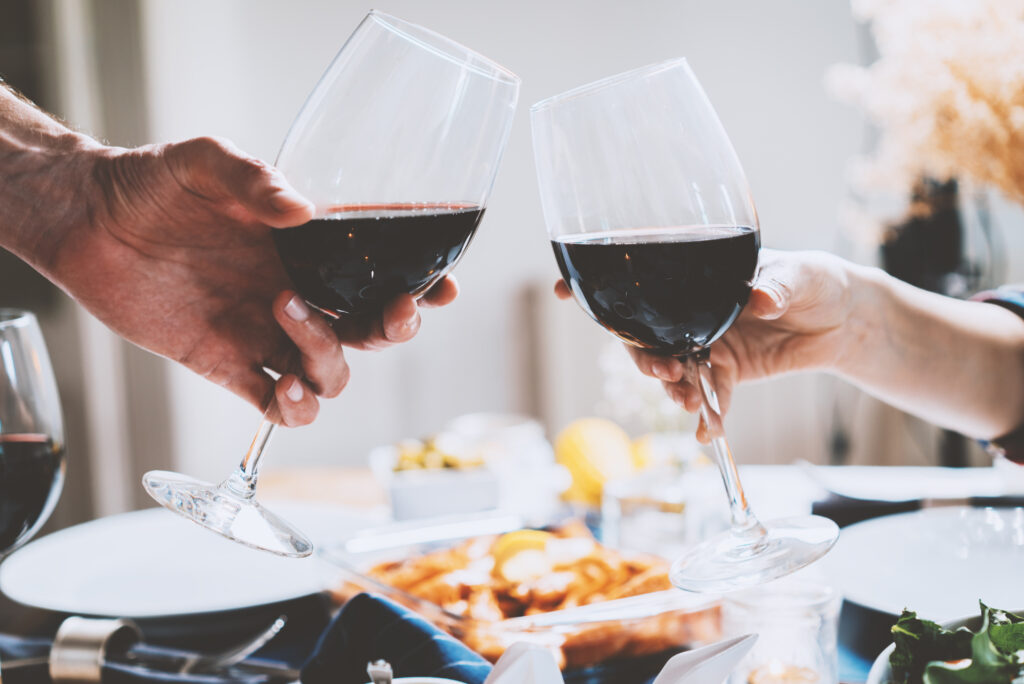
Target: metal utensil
[218, 661]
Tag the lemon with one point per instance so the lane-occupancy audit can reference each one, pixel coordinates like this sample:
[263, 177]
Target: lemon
[643, 451]
[594, 451]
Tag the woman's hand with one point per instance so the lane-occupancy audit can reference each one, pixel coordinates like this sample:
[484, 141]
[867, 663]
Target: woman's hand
[793, 321]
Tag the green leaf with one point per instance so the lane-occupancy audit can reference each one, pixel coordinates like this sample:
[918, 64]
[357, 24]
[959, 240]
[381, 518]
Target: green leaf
[919, 642]
[1006, 632]
[989, 662]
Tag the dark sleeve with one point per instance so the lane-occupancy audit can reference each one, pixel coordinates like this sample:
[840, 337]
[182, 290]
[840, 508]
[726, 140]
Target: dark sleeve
[1009, 297]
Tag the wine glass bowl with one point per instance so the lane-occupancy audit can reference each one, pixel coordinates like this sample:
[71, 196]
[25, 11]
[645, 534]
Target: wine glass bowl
[397, 147]
[32, 459]
[656, 235]
[357, 258]
[399, 180]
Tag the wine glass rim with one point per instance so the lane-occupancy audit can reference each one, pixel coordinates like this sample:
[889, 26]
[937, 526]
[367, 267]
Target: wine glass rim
[446, 48]
[607, 82]
[10, 317]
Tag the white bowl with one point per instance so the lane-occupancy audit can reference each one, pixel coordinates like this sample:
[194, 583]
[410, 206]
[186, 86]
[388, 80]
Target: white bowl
[429, 493]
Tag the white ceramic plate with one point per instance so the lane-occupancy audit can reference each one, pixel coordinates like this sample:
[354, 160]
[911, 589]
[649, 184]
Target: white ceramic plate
[909, 483]
[938, 562]
[153, 563]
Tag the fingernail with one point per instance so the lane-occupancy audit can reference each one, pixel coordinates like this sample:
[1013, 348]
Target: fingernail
[294, 391]
[775, 296]
[286, 200]
[296, 309]
[661, 370]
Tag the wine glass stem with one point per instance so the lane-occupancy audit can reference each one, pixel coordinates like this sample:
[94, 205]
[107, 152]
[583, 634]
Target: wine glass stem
[242, 482]
[743, 521]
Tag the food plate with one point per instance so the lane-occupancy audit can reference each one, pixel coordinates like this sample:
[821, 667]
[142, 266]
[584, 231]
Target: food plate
[151, 563]
[939, 562]
[557, 587]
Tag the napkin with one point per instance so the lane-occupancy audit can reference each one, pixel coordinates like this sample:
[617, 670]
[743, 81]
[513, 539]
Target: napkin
[372, 627]
[524, 663]
[707, 665]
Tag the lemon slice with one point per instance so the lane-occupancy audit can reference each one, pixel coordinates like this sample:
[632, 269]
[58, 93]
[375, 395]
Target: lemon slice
[521, 555]
[511, 543]
[594, 451]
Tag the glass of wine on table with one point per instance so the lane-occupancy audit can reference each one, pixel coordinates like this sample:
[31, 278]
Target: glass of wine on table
[656, 235]
[31, 431]
[397, 146]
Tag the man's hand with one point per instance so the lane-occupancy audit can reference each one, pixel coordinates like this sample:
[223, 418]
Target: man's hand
[793, 321]
[170, 246]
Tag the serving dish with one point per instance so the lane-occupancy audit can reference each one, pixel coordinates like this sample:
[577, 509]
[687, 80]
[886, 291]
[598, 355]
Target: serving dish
[579, 636]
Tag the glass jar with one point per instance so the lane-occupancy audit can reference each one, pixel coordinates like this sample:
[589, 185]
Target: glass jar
[796, 620]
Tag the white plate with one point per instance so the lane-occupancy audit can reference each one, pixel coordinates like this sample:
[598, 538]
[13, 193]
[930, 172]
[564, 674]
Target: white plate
[153, 563]
[908, 483]
[938, 562]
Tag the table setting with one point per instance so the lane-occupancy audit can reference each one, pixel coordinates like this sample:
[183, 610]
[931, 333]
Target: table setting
[485, 553]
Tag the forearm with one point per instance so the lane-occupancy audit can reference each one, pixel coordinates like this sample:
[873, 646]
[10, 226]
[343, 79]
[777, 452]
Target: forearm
[955, 363]
[44, 166]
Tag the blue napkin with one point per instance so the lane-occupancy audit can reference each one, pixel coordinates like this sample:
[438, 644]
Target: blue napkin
[371, 627]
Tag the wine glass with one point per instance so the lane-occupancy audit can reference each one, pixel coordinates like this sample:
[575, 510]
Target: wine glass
[397, 146]
[31, 431]
[656, 235]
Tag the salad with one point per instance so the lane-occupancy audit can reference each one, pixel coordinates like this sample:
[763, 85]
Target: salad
[927, 653]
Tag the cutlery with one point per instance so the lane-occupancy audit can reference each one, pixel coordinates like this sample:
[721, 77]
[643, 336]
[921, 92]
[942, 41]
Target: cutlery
[379, 671]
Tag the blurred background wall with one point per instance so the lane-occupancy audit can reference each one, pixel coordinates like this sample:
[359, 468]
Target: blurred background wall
[138, 71]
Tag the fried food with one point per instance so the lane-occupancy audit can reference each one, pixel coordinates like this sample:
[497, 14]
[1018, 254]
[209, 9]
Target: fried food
[489, 580]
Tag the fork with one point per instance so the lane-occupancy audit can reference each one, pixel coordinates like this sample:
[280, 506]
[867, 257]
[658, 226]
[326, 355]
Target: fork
[217, 661]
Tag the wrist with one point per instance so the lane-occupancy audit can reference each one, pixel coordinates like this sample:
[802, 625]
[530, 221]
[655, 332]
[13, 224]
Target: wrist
[46, 192]
[857, 338]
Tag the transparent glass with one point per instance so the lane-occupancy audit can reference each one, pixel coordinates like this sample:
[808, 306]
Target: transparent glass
[656, 234]
[797, 625]
[31, 431]
[398, 147]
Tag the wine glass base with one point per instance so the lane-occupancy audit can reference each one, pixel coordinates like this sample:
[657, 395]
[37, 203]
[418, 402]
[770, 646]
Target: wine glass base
[729, 561]
[221, 510]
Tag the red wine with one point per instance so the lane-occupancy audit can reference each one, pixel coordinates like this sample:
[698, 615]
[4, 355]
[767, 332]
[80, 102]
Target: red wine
[359, 257]
[31, 477]
[673, 292]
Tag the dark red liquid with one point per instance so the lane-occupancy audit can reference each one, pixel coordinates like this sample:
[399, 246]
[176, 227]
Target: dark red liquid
[31, 477]
[358, 258]
[670, 292]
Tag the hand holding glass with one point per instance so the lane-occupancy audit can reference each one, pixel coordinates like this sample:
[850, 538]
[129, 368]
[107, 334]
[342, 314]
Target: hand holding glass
[656, 235]
[397, 147]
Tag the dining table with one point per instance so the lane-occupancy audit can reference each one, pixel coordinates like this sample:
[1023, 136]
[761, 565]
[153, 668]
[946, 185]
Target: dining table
[775, 490]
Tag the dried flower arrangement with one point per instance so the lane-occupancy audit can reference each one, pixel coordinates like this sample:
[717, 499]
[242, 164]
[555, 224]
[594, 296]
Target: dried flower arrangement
[947, 94]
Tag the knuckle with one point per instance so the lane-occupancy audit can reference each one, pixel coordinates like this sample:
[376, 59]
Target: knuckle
[209, 145]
